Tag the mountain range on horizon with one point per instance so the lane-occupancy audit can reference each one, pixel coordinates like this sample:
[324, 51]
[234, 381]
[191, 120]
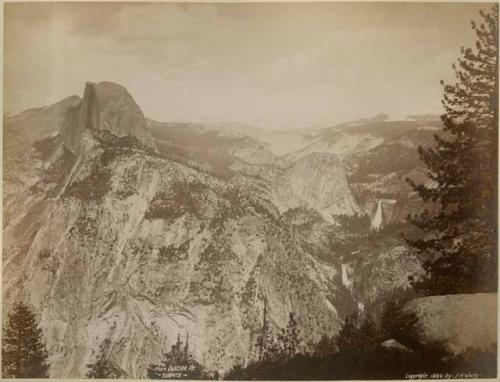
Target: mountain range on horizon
[135, 230]
[279, 141]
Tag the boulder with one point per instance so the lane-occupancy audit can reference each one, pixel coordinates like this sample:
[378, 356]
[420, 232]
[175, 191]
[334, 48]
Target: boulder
[460, 323]
[393, 344]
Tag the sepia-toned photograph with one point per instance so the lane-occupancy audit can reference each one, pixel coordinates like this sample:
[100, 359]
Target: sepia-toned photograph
[250, 190]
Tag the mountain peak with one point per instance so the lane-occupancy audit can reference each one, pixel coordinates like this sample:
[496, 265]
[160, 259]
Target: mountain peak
[105, 106]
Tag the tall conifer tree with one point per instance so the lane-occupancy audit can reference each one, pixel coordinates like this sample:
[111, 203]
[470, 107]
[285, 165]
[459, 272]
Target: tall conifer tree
[459, 232]
[178, 363]
[288, 339]
[23, 351]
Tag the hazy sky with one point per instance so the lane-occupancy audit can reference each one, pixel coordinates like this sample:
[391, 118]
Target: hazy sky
[290, 64]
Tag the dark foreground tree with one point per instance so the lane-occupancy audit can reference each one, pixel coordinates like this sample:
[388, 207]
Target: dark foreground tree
[367, 364]
[178, 363]
[289, 342]
[264, 341]
[360, 352]
[23, 351]
[357, 333]
[284, 345]
[459, 232]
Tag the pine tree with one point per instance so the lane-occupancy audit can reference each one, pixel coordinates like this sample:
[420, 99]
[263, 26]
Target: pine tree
[347, 337]
[23, 352]
[357, 333]
[459, 235]
[369, 334]
[264, 344]
[178, 363]
[288, 339]
[102, 368]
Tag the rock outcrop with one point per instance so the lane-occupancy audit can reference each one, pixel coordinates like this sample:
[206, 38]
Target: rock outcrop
[106, 106]
[395, 345]
[460, 323]
[317, 181]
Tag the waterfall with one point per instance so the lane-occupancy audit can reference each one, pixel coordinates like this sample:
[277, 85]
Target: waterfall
[377, 218]
[346, 271]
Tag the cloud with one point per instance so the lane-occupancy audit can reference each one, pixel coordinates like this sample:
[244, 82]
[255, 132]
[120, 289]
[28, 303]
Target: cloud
[297, 63]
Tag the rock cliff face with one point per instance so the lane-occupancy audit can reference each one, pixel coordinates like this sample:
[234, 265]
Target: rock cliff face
[111, 240]
[146, 249]
[317, 181]
[106, 106]
[114, 239]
